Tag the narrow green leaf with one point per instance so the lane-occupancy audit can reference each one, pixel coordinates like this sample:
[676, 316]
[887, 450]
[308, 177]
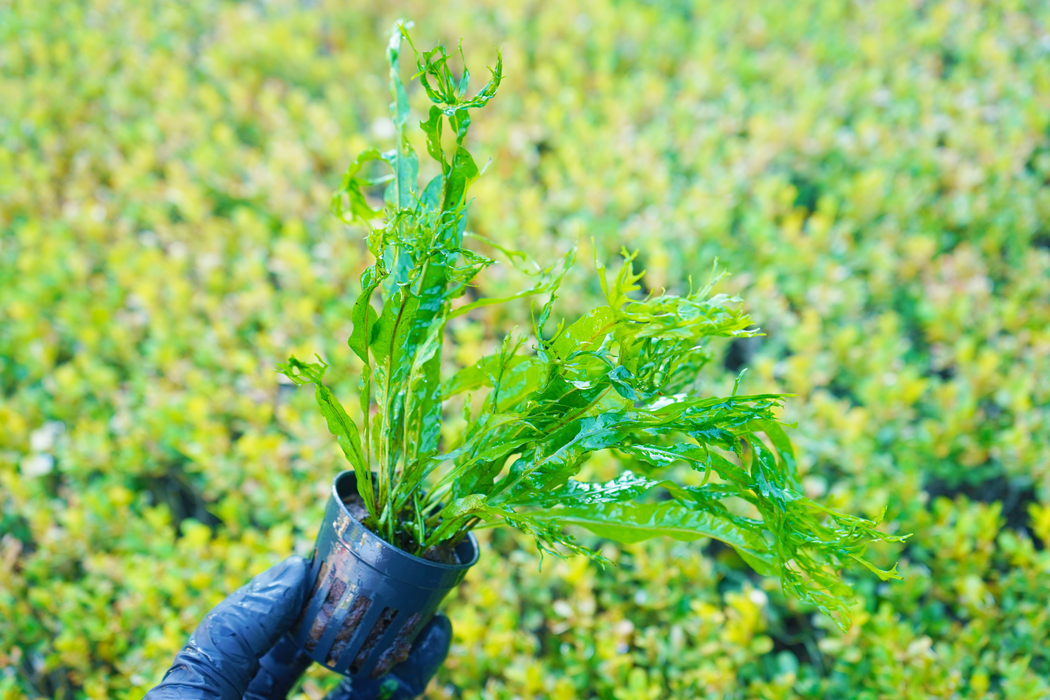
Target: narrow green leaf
[340, 425]
[363, 316]
[625, 487]
[461, 175]
[890, 575]
[392, 328]
[635, 522]
[432, 127]
[586, 332]
[406, 164]
[351, 188]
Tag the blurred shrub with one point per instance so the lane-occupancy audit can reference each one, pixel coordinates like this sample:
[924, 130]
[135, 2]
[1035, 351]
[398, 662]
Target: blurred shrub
[876, 174]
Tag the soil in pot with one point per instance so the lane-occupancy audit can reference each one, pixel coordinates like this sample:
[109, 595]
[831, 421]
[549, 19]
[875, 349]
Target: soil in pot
[443, 553]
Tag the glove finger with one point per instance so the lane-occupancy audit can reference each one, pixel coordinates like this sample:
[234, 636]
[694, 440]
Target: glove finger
[410, 678]
[428, 653]
[278, 671]
[223, 653]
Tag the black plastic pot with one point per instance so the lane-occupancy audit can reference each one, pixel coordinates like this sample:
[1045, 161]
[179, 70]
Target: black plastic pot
[370, 599]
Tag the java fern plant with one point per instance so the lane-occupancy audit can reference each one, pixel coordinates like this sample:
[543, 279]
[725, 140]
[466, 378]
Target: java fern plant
[622, 377]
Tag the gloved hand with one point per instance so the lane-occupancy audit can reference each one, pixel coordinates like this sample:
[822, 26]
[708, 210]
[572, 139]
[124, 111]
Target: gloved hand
[241, 649]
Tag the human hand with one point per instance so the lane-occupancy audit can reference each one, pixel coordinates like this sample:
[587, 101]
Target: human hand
[241, 649]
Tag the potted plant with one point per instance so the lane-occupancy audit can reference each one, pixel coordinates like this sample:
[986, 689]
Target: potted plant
[622, 377]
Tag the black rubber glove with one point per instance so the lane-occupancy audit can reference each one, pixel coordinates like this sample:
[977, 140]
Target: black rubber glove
[241, 649]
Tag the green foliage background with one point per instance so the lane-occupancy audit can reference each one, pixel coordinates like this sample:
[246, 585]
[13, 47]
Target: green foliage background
[876, 174]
